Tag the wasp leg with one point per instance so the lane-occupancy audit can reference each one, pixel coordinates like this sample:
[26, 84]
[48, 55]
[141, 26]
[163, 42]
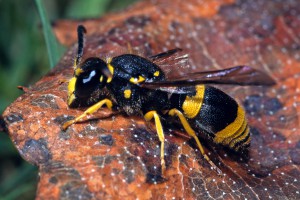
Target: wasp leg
[88, 111]
[192, 133]
[148, 116]
[61, 81]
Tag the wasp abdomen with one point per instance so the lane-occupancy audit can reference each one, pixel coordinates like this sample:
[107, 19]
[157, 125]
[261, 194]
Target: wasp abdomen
[210, 110]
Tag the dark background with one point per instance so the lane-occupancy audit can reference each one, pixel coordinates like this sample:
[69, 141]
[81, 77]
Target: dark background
[23, 60]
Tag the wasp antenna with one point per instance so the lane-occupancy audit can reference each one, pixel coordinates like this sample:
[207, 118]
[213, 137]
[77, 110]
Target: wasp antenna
[80, 34]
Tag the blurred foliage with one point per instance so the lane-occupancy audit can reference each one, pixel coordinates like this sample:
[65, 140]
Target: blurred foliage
[23, 60]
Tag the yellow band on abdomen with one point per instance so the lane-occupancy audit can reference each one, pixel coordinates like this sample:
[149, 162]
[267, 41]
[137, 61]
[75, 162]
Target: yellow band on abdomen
[192, 104]
[232, 128]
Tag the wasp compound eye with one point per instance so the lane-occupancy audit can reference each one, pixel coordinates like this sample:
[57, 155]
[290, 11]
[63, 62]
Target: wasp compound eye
[86, 83]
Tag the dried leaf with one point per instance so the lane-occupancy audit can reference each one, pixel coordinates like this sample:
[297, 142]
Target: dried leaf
[117, 157]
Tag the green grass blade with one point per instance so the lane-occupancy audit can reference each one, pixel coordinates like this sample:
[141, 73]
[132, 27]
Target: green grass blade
[25, 173]
[25, 188]
[54, 52]
[84, 9]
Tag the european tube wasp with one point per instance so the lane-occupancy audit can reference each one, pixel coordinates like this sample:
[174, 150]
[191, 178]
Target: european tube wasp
[136, 85]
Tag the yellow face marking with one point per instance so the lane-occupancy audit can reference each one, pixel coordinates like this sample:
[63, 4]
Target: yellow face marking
[71, 89]
[135, 80]
[78, 71]
[71, 98]
[101, 79]
[156, 73]
[127, 93]
[232, 128]
[192, 104]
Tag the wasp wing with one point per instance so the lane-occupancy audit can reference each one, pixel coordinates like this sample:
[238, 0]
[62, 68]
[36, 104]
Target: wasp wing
[178, 90]
[170, 60]
[164, 55]
[239, 75]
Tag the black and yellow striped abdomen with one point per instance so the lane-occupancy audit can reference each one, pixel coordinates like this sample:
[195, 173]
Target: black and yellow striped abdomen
[212, 111]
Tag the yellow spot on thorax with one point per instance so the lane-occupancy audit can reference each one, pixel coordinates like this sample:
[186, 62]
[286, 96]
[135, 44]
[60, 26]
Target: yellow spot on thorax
[192, 104]
[127, 93]
[156, 73]
[135, 80]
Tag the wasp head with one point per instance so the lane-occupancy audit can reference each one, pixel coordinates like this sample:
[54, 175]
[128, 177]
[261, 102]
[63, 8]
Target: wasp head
[90, 77]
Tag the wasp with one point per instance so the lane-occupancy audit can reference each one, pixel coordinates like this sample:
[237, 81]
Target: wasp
[136, 85]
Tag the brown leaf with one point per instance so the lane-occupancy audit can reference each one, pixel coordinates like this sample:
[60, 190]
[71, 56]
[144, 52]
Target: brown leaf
[117, 157]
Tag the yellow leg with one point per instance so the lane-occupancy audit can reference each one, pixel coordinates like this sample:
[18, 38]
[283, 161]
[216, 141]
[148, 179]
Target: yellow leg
[61, 81]
[192, 133]
[89, 111]
[148, 116]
